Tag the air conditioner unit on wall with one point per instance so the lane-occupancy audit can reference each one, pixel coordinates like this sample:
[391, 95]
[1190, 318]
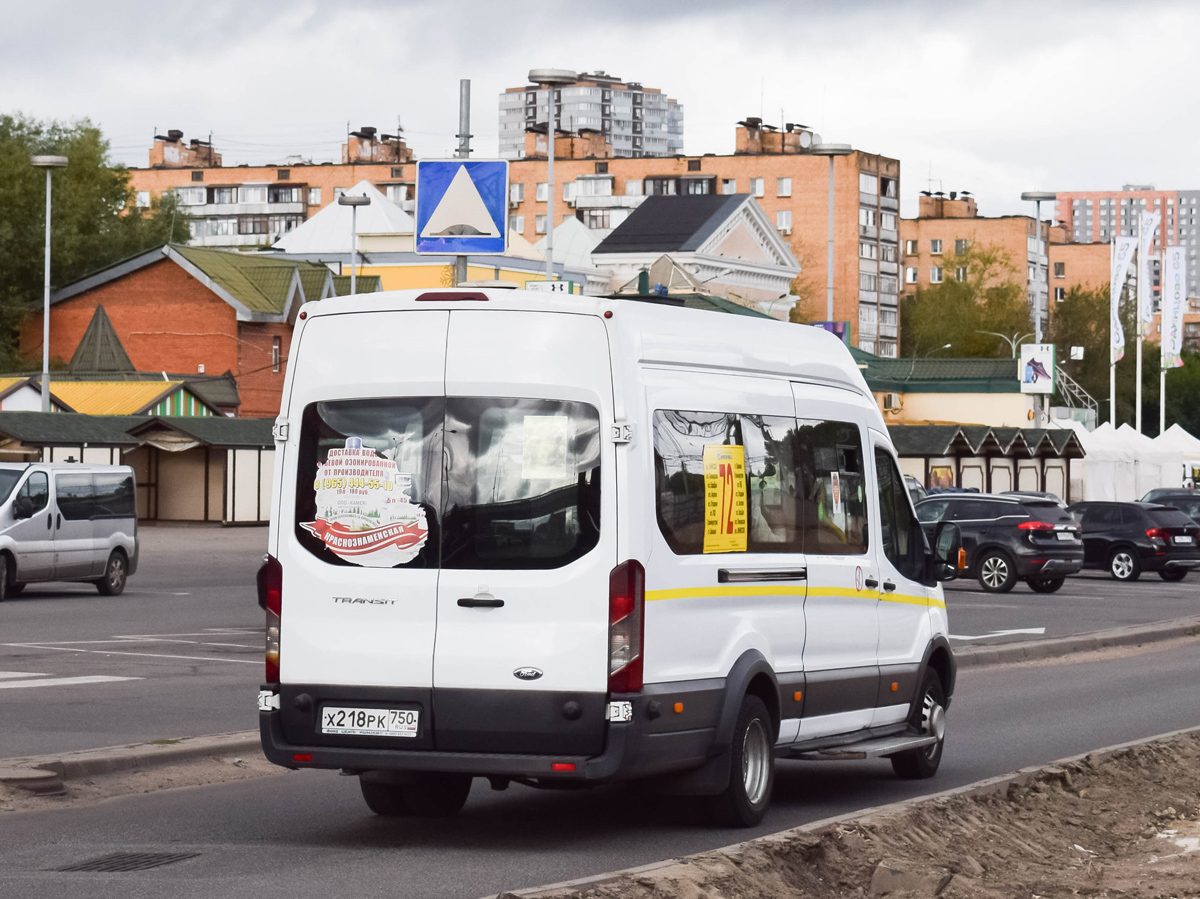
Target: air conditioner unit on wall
[891, 402]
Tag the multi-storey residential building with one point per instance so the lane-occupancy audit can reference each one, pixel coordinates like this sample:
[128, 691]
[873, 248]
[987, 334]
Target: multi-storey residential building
[636, 120]
[1098, 216]
[254, 205]
[935, 242]
[791, 185]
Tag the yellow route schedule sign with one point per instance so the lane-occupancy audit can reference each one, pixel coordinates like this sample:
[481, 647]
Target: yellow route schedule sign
[725, 503]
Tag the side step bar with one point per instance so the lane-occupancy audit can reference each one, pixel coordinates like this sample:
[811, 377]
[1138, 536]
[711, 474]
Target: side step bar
[869, 749]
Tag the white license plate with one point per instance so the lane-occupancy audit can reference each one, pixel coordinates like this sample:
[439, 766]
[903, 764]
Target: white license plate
[369, 722]
[1187, 540]
[1066, 535]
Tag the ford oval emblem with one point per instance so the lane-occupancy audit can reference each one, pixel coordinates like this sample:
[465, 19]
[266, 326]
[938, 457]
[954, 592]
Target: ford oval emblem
[527, 673]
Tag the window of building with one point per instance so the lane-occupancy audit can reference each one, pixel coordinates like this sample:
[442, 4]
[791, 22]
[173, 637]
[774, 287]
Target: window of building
[935, 247]
[887, 252]
[283, 174]
[1060, 269]
[868, 183]
[888, 285]
[252, 194]
[960, 246]
[516, 223]
[539, 224]
[397, 171]
[222, 195]
[661, 187]
[543, 191]
[282, 224]
[597, 219]
[197, 176]
[783, 220]
[910, 248]
[601, 168]
[867, 217]
[868, 250]
[693, 165]
[887, 220]
[728, 186]
[783, 187]
[960, 273]
[283, 195]
[1060, 294]
[935, 274]
[252, 224]
[191, 196]
[633, 188]
[568, 191]
[887, 187]
[866, 281]
[143, 199]
[314, 196]
[516, 193]
[698, 186]
[757, 187]
[276, 348]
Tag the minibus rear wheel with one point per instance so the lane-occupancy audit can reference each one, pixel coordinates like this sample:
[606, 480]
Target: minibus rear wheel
[928, 719]
[384, 799]
[113, 582]
[744, 801]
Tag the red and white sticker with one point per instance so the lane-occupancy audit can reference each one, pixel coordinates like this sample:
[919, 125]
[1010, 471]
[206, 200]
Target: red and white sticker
[365, 513]
[858, 578]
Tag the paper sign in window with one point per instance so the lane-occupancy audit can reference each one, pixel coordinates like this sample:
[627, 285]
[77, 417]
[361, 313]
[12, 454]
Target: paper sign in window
[545, 448]
[725, 505]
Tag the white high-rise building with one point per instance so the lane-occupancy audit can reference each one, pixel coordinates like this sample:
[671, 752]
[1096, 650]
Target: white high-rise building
[636, 120]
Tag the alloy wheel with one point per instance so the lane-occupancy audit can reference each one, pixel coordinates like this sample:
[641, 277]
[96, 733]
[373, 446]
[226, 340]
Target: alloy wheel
[995, 571]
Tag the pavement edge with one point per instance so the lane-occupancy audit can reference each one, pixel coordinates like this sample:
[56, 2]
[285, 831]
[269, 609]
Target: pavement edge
[134, 756]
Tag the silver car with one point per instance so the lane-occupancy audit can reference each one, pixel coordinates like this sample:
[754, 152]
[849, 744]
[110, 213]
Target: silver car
[67, 522]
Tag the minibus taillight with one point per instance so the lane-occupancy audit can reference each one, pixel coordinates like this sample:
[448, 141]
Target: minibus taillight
[626, 613]
[270, 597]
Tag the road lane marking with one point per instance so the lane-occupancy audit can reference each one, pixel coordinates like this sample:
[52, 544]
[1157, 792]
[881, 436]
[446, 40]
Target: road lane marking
[1009, 633]
[12, 675]
[148, 655]
[63, 681]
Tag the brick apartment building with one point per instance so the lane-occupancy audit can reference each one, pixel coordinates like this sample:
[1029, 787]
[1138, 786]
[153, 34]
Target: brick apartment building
[254, 205]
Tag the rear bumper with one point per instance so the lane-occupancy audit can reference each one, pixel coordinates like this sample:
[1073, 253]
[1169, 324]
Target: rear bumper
[1057, 567]
[1177, 564]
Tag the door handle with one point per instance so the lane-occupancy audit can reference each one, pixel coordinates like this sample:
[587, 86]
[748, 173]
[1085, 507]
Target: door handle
[889, 586]
[474, 602]
[871, 583]
[50, 521]
[59, 521]
[736, 576]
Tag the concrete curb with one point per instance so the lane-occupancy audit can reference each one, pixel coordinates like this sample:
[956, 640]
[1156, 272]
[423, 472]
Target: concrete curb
[988, 786]
[1055, 647]
[135, 756]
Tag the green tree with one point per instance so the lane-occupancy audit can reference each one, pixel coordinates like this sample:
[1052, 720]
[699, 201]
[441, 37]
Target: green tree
[991, 297]
[93, 219]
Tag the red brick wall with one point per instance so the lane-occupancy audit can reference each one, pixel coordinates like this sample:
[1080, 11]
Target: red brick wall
[169, 321]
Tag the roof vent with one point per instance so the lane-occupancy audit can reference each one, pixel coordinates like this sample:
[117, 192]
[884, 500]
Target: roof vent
[174, 134]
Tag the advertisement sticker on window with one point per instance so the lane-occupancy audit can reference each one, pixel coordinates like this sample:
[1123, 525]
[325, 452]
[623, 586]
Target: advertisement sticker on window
[545, 448]
[725, 506]
[365, 514]
[835, 488]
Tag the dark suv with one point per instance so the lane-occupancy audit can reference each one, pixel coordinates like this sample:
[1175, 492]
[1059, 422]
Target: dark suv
[1186, 501]
[1126, 539]
[1006, 538]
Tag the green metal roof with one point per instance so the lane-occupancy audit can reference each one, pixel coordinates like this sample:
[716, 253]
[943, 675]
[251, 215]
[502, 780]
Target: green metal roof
[366, 284]
[260, 283]
[935, 375]
[313, 279]
[67, 429]
[100, 348]
[694, 301]
[217, 430]
[915, 441]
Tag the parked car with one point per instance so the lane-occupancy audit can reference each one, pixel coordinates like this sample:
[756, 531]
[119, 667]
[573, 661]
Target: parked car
[1154, 496]
[916, 490]
[67, 522]
[1186, 501]
[1126, 539]
[1035, 495]
[1007, 538]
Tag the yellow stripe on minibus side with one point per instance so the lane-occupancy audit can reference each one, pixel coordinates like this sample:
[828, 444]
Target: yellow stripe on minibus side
[765, 590]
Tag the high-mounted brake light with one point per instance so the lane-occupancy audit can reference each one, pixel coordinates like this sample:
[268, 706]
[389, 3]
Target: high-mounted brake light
[626, 615]
[270, 597]
[443, 296]
[1035, 526]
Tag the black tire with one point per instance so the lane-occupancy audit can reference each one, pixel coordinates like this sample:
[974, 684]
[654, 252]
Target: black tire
[384, 799]
[1170, 574]
[436, 795]
[745, 799]
[4, 591]
[997, 573]
[1124, 565]
[1045, 584]
[115, 574]
[929, 716]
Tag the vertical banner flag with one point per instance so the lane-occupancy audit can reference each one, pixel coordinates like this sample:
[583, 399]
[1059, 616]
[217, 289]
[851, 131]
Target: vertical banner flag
[1123, 248]
[1148, 222]
[1174, 298]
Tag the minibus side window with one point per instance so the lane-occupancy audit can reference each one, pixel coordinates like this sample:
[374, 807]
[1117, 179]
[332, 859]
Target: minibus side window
[770, 445]
[523, 483]
[37, 491]
[74, 495]
[901, 534]
[834, 510]
[114, 496]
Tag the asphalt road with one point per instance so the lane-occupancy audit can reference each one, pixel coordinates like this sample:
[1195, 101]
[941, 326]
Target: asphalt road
[180, 653]
[308, 833]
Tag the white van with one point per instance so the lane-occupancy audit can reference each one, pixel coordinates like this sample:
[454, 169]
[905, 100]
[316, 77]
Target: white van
[63, 521]
[581, 540]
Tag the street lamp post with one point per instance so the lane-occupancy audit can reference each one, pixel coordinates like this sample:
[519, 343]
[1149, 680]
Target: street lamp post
[830, 150]
[1037, 196]
[1013, 342]
[353, 203]
[49, 163]
[550, 78]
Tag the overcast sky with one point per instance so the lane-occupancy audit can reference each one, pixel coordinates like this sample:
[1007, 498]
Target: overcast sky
[991, 97]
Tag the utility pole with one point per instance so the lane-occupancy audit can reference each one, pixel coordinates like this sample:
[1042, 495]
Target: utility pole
[551, 79]
[464, 152]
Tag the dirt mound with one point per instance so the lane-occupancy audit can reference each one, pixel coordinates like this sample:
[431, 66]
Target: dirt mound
[1122, 823]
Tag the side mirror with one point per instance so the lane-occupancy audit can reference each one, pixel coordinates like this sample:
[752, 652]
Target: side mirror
[22, 507]
[948, 557]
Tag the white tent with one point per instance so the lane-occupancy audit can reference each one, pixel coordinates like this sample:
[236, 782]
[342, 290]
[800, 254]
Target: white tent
[1187, 449]
[329, 230]
[1155, 465]
[1108, 471]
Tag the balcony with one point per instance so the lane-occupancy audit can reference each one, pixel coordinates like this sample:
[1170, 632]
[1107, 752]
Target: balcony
[870, 297]
[611, 202]
[867, 231]
[889, 203]
[228, 210]
[887, 234]
[887, 331]
[889, 268]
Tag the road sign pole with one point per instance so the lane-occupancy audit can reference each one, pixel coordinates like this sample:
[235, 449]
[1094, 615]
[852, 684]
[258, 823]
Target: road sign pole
[464, 152]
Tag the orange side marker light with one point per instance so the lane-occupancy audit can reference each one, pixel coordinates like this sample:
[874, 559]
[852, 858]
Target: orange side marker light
[798, 695]
[895, 686]
[678, 707]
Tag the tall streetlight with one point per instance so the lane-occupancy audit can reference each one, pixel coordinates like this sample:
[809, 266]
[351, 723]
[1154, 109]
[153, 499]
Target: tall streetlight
[49, 163]
[830, 150]
[550, 78]
[1037, 196]
[353, 203]
[1013, 342]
